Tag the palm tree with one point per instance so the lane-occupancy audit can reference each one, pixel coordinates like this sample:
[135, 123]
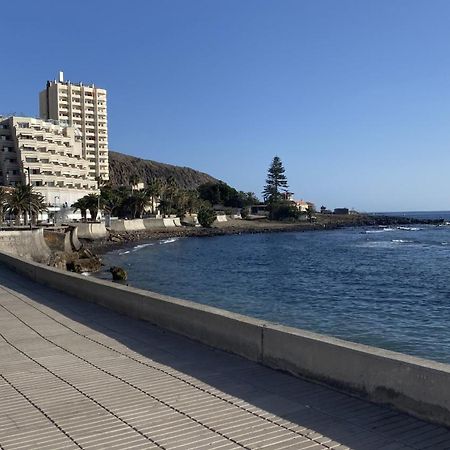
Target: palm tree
[4, 199]
[37, 205]
[93, 203]
[82, 205]
[138, 202]
[170, 191]
[18, 202]
[133, 180]
[154, 191]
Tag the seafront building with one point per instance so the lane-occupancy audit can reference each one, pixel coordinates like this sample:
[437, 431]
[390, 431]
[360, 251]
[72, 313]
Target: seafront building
[85, 108]
[47, 155]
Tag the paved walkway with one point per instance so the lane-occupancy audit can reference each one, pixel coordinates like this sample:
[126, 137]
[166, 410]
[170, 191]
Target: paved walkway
[75, 375]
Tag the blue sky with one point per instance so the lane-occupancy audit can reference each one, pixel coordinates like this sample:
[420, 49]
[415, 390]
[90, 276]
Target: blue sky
[353, 95]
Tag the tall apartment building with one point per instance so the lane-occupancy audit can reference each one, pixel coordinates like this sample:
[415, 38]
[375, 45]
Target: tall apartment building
[48, 155]
[83, 107]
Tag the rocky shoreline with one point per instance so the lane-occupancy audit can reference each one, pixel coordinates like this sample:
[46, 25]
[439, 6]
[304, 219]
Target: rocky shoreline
[118, 240]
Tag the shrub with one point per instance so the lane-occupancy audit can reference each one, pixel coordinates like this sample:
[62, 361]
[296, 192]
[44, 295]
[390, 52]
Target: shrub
[284, 211]
[206, 216]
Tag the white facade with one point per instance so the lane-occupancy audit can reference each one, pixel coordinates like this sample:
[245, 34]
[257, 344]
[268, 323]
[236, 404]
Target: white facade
[85, 108]
[47, 155]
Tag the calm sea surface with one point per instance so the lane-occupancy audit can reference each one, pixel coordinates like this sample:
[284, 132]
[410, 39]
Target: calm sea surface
[383, 287]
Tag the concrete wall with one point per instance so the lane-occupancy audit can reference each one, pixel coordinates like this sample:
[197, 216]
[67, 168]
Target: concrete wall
[59, 239]
[143, 224]
[221, 218]
[414, 385]
[153, 223]
[29, 244]
[91, 231]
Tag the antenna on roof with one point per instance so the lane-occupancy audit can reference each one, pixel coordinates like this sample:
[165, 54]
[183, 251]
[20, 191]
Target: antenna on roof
[61, 76]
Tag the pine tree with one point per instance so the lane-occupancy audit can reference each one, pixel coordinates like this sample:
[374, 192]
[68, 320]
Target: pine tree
[276, 182]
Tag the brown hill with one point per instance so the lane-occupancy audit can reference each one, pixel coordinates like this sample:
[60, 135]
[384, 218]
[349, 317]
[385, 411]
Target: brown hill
[122, 167]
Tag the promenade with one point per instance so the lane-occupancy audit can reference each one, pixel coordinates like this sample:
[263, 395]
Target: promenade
[76, 375]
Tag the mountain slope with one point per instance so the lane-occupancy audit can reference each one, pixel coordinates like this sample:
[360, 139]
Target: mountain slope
[122, 167]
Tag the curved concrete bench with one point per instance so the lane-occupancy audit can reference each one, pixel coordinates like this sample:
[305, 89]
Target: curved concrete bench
[91, 231]
[134, 225]
[29, 244]
[153, 223]
[168, 223]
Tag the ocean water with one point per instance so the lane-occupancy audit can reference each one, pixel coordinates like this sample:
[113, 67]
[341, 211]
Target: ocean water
[387, 287]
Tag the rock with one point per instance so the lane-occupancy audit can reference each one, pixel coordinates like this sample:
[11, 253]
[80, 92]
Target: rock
[118, 273]
[58, 260]
[85, 265]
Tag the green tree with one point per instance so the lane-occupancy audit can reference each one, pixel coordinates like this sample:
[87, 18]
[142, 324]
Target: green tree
[4, 199]
[276, 182]
[93, 201]
[206, 216]
[154, 190]
[82, 205]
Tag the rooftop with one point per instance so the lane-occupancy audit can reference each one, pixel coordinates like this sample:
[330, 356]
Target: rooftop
[76, 375]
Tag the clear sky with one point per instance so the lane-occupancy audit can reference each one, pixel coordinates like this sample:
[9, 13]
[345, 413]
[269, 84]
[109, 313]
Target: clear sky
[353, 95]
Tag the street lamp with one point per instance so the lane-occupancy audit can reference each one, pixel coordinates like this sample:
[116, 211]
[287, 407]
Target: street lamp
[29, 197]
[54, 217]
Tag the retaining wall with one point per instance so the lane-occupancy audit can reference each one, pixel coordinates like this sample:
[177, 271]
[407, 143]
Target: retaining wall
[221, 218]
[29, 244]
[414, 385]
[91, 231]
[142, 224]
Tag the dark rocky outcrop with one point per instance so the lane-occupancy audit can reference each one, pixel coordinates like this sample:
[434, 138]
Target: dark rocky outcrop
[118, 273]
[122, 167]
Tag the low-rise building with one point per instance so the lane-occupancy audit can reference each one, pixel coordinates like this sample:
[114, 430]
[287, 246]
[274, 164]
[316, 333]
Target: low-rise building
[47, 155]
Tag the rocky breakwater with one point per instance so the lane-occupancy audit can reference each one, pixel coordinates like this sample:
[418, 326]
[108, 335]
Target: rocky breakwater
[68, 252]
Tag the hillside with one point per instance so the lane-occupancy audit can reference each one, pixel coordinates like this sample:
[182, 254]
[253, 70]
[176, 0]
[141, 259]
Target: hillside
[121, 167]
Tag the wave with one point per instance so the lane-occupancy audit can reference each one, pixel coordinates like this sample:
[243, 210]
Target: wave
[402, 241]
[124, 253]
[409, 228]
[168, 241]
[381, 230]
[141, 246]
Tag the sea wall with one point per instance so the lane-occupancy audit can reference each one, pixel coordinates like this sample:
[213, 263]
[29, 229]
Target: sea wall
[143, 224]
[91, 231]
[417, 386]
[29, 244]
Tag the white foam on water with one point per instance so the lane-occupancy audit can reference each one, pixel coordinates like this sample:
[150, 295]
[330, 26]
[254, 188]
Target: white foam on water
[402, 241]
[168, 241]
[124, 253]
[141, 246]
[409, 228]
[381, 230]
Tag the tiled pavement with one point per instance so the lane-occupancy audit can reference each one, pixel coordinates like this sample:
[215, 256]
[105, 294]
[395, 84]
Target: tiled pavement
[75, 375]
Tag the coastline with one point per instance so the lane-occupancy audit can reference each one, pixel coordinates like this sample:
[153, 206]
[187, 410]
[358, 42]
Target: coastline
[118, 240]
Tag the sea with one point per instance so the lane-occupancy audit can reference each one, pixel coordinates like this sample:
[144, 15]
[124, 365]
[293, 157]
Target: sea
[383, 286]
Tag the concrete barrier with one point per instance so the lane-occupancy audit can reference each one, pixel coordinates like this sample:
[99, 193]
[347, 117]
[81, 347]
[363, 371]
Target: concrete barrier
[29, 244]
[142, 224]
[177, 222]
[91, 231]
[221, 218]
[153, 223]
[417, 386]
[76, 244]
[134, 225]
[168, 223]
